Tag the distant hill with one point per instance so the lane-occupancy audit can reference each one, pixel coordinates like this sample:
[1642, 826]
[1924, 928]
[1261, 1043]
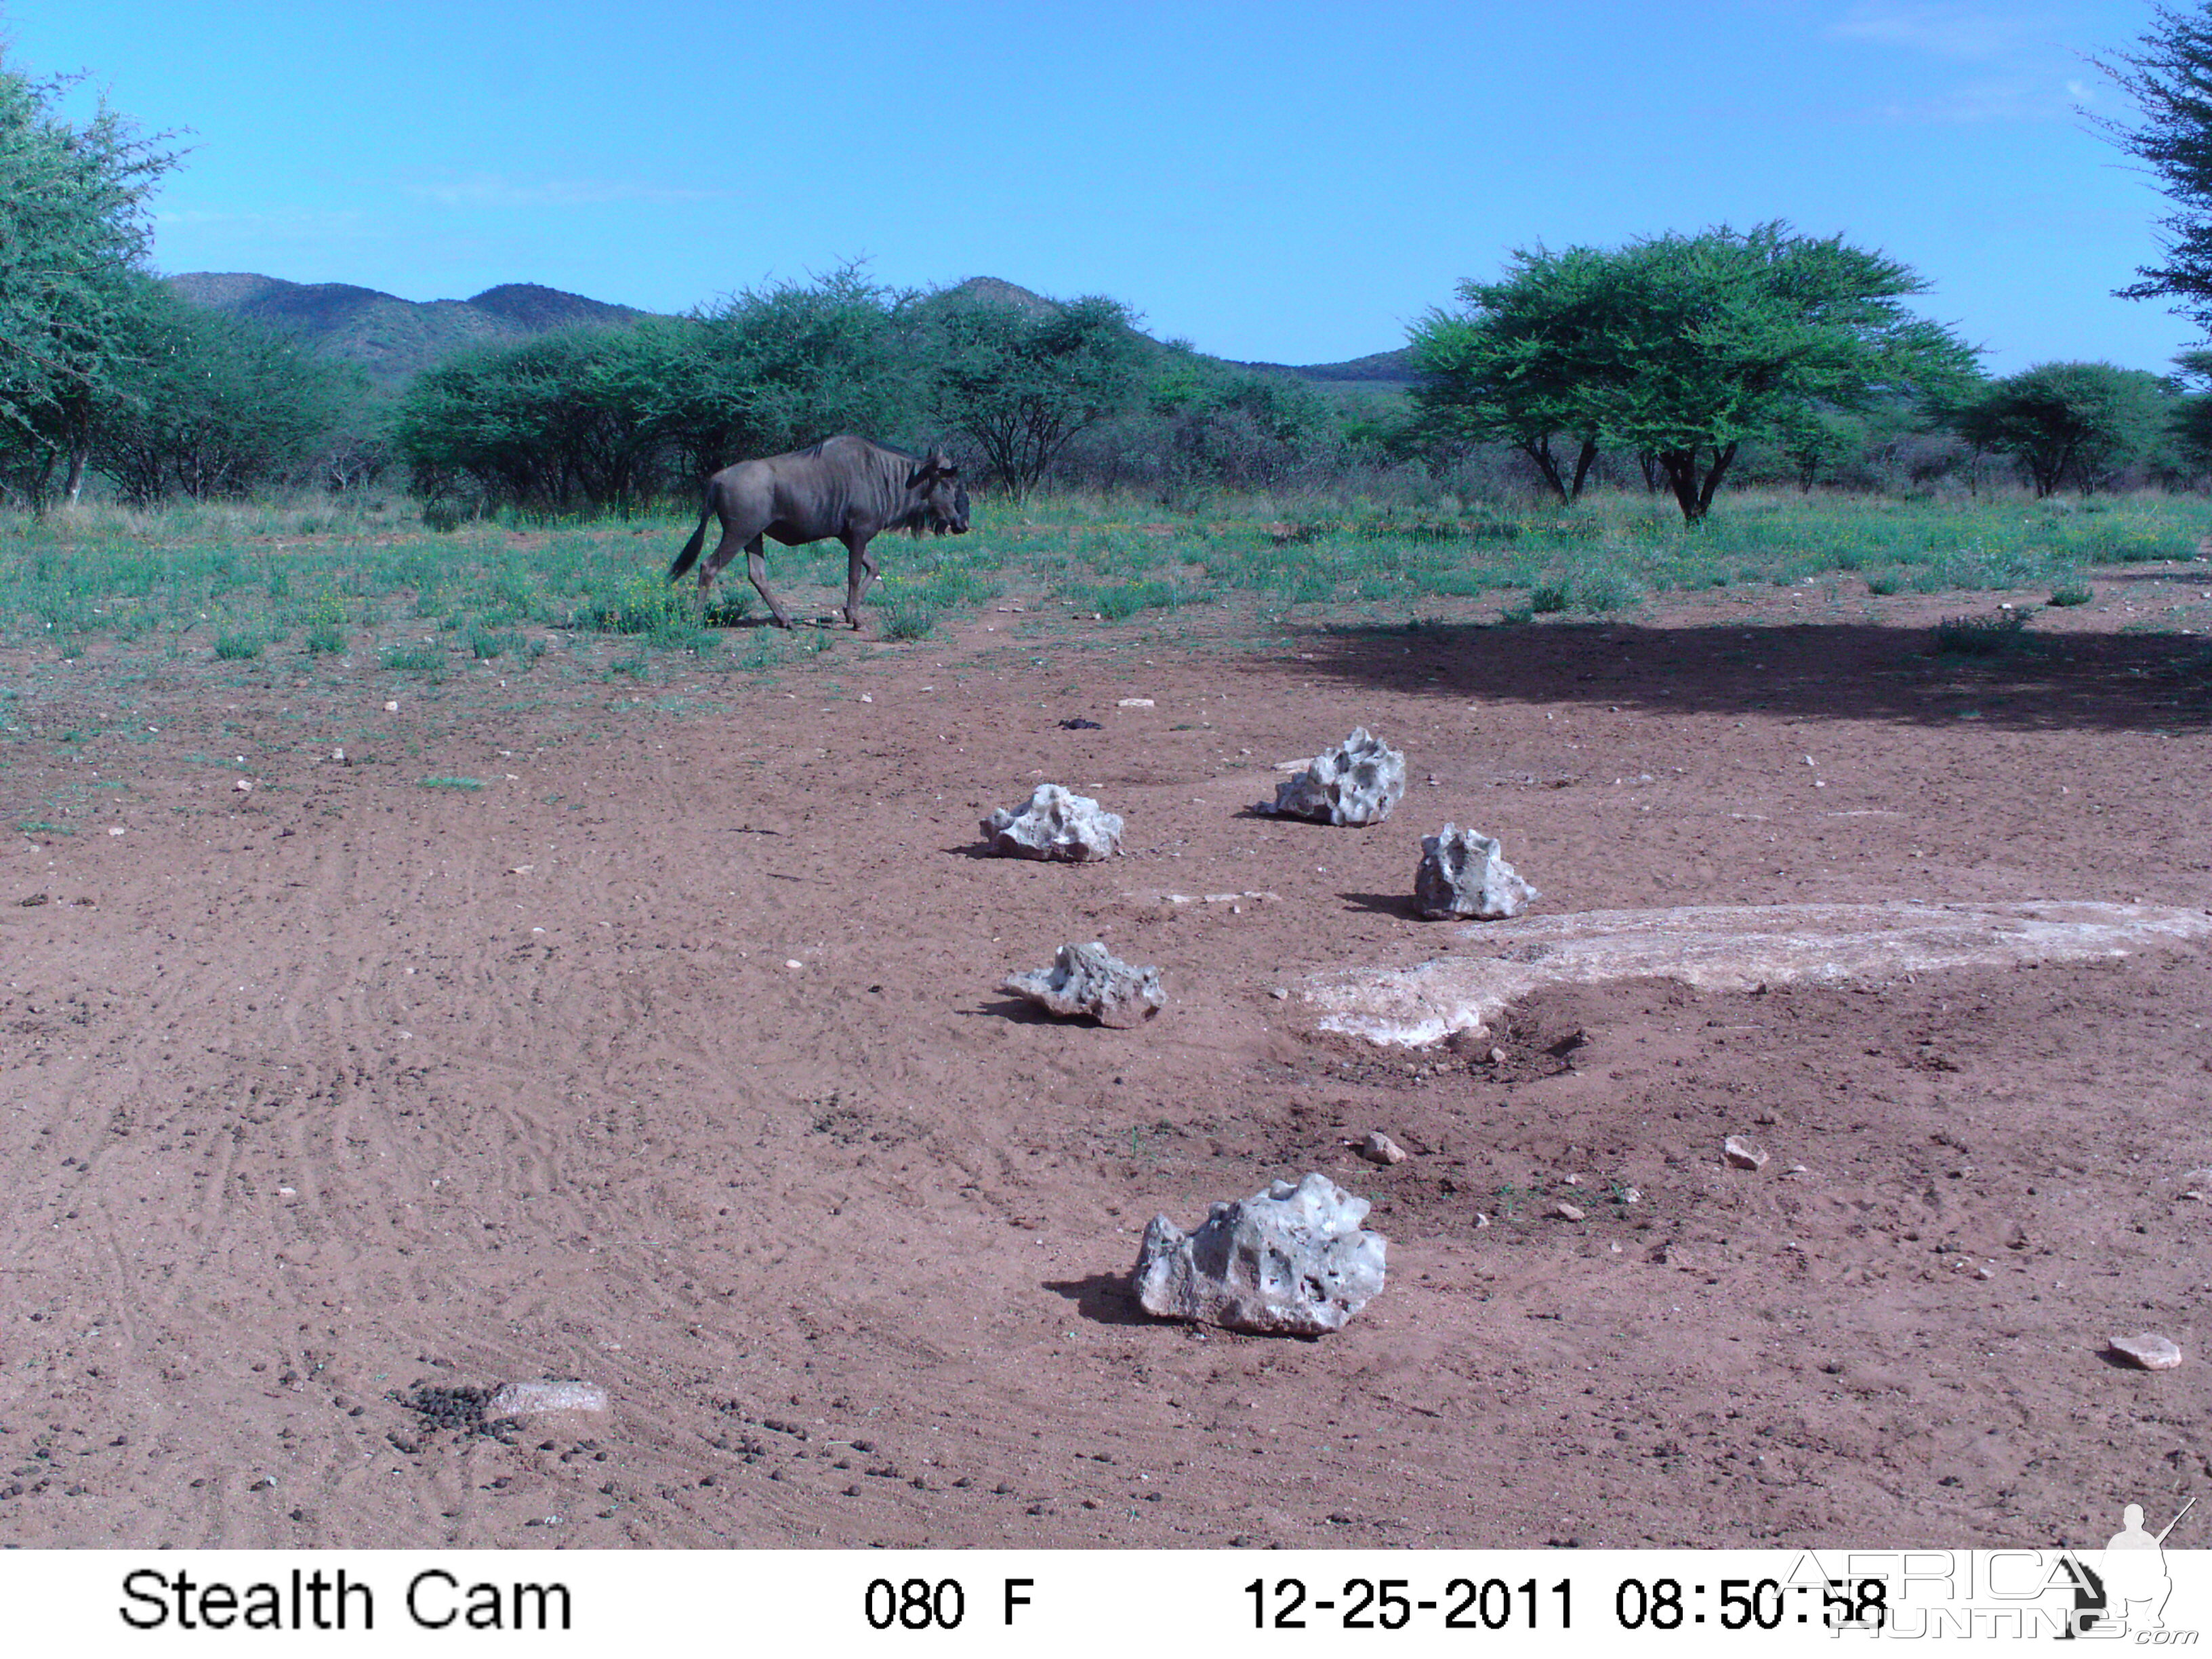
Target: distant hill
[392, 338]
[1380, 371]
[395, 339]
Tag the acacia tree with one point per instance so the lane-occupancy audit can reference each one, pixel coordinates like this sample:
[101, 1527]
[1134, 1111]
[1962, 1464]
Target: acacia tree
[2080, 421]
[1512, 365]
[769, 369]
[2170, 80]
[213, 405]
[1022, 382]
[571, 418]
[1684, 347]
[73, 228]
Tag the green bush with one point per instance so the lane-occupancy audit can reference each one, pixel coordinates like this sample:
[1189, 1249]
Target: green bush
[908, 618]
[237, 647]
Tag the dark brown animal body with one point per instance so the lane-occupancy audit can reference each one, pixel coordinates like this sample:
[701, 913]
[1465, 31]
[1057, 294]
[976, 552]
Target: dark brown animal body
[845, 487]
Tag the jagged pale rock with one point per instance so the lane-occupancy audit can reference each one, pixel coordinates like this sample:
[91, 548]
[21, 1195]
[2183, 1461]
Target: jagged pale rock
[2149, 1350]
[1567, 1211]
[1744, 1154]
[1463, 874]
[1054, 823]
[1293, 1261]
[1358, 783]
[1087, 979]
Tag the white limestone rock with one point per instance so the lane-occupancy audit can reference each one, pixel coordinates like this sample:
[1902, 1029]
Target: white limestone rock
[1462, 873]
[1356, 784]
[1290, 1261]
[1087, 979]
[1054, 823]
[2149, 1350]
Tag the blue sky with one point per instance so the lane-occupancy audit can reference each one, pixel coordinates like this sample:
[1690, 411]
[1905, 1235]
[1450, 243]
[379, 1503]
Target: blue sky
[1283, 182]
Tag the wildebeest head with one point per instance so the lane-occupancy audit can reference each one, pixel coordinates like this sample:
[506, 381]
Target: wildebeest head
[940, 499]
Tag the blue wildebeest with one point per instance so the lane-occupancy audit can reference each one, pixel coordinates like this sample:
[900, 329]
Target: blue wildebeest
[846, 486]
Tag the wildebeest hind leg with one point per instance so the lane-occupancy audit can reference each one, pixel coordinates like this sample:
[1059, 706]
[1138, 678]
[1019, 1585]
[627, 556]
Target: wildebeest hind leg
[859, 572]
[714, 564]
[756, 567]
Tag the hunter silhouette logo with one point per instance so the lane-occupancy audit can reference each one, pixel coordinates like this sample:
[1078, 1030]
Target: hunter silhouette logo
[2128, 1588]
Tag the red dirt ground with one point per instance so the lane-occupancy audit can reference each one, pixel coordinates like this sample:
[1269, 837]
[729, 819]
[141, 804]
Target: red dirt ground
[330, 1101]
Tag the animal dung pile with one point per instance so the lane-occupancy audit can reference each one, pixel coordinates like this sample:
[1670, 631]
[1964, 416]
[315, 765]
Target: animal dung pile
[1358, 783]
[1462, 873]
[1087, 979]
[1054, 823]
[1293, 1261]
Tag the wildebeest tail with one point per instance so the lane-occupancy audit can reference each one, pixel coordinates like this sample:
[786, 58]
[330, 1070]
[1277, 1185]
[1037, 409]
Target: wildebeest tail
[689, 556]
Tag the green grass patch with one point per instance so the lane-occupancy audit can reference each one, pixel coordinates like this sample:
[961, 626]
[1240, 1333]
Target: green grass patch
[238, 647]
[908, 617]
[453, 783]
[2065, 597]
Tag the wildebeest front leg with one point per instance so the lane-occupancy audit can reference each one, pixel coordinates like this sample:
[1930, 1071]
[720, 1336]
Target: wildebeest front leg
[756, 567]
[859, 572]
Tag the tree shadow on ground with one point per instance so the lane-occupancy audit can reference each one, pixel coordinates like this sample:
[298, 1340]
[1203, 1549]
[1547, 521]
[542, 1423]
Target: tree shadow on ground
[1821, 671]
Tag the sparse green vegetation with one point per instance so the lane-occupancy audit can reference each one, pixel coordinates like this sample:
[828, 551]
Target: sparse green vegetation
[483, 599]
[1981, 636]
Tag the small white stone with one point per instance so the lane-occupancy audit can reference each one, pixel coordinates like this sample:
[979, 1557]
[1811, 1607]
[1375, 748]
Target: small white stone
[243, 787]
[1567, 1211]
[2149, 1350]
[1134, 702]
[1379, 1148]
[392, 707]
[793, 964]
[115, 829]
[1743, 1154]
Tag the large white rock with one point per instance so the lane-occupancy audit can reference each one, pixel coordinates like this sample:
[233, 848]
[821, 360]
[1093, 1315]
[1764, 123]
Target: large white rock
[1087, 979]
[1358, 783]
[1729, 948]
[1462, 873]
[1055, 823]
[1292, 1261]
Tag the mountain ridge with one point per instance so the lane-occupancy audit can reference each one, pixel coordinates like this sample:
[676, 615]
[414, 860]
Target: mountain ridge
[394, 339]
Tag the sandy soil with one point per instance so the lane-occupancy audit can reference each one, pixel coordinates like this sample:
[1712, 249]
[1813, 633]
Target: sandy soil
[672, 1060]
